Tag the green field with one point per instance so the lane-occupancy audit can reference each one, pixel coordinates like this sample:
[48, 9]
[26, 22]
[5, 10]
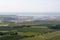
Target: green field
[49, 36]
[55, 38]
[38, 30]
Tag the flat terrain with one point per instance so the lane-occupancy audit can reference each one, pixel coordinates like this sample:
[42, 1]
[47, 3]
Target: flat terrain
[38, 30]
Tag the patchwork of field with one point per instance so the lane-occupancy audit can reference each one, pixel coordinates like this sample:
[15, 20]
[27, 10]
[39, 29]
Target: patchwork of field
[32, 34]
[37, 30]
[24, 33]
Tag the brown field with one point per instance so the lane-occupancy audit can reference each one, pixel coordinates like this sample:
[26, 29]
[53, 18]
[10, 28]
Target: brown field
[39, 27]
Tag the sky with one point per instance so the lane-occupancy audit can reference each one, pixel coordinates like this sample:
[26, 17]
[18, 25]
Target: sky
[29, 6]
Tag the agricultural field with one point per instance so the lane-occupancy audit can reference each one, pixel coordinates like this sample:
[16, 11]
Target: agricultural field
[49, 36]
[39, 30]
[39, 27]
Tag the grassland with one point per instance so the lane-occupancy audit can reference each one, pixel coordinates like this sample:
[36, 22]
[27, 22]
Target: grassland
[55, 38]
[49, 36]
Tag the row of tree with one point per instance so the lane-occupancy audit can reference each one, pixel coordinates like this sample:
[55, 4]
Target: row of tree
[8, 33]
[15, 26]
[54, 26]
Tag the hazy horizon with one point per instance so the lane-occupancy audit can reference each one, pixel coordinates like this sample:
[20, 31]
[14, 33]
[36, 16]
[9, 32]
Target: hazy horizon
[30, 14]
[30, 7]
